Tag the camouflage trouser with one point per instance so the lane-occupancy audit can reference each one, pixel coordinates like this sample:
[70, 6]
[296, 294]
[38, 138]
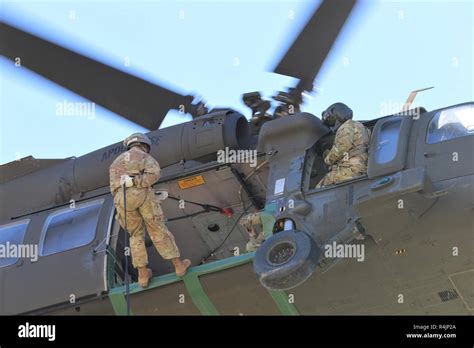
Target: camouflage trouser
[249, 221]
[345, 172]
[143, 209]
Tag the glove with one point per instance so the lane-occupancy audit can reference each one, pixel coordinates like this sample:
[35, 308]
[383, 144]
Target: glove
[127, 180]
[162, 194]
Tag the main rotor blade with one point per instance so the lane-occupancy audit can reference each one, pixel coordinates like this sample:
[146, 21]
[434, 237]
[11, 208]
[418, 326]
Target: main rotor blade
[304, 58]
[133, 98]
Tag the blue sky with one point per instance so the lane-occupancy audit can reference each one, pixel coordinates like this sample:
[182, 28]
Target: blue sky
[221, 49]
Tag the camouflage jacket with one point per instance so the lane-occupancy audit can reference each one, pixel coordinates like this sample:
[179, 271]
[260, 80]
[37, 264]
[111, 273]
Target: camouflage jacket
[138, 164]
[351, 141]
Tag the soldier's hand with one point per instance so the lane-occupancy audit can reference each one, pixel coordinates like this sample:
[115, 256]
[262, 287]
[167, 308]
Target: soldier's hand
[126, 180]
[162, 195]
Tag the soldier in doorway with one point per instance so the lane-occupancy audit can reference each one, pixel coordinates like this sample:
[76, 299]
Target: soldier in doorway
[137, 170]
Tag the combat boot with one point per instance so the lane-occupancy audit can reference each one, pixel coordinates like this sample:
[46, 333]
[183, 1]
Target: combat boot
[144, 275]
[181, 266]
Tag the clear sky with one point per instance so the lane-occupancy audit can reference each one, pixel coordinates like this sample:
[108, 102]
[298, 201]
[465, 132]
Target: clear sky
[221, 49]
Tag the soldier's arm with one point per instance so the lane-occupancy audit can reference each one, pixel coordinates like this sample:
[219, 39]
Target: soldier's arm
[342, 144]
[114, 179]
[150, 175]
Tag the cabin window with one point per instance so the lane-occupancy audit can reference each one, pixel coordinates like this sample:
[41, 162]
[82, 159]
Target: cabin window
[11, 239]
[70, 228]
[451, 124]
[388, 141]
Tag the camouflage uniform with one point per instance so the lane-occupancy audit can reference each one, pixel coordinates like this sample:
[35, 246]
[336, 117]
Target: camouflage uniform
[349, 154]
[249, 222]
[143, 207]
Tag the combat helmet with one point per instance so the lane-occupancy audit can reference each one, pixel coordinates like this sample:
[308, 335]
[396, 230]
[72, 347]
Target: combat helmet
[137, 138]
[336, 114]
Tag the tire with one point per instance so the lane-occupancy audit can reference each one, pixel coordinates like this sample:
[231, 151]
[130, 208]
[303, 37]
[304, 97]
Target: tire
[286, 260]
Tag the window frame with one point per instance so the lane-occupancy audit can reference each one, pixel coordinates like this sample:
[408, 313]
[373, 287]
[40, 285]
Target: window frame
[394, 121]
[48, 219]
[13, 223]
[398, 162]
[438, 114]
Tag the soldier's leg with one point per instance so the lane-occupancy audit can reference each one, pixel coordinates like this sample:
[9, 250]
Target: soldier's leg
[342, 174]
[336, 176]
[359, 165]
[154, 220]
[136, 231]
[162, 238]
[328, 179]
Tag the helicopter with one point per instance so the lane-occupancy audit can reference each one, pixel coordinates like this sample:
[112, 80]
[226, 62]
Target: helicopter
[397, 240]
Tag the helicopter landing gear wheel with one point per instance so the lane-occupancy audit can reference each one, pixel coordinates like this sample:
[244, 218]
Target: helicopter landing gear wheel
[286, 260]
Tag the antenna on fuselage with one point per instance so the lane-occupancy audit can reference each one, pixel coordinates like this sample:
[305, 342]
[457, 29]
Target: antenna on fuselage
[412, 97]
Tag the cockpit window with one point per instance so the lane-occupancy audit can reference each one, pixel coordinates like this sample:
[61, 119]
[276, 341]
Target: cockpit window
[451, 123]
[70, 228]
[388, 141]
[11, 238]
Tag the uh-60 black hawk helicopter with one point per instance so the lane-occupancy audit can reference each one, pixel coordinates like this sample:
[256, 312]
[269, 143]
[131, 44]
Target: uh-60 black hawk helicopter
[411, 215]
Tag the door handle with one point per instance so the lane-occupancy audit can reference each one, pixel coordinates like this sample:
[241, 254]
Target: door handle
[388, 180]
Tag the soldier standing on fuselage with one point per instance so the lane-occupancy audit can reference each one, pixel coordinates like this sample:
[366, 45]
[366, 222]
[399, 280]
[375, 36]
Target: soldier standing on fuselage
[138, 171]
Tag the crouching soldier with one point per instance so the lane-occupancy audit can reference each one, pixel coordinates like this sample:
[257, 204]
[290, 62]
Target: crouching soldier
[137, 170]
[250, 222]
